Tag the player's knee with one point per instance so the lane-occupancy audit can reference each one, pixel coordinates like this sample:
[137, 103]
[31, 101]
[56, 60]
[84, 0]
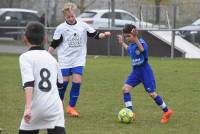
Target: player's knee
[126, 89]
[77, 81]
[77, 78]
[66, 79]
[153, 94]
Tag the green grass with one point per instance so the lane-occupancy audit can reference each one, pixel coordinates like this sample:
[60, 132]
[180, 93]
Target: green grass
[178, 82]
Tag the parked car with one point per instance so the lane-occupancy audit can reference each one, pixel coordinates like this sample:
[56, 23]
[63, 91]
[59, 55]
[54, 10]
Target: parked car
[101, 18]
[14, 17]
[191, 32]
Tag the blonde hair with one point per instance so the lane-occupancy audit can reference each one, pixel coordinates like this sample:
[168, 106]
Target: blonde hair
[68, 7]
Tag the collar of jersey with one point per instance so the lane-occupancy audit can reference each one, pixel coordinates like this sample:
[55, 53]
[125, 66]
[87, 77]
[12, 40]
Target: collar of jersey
[71, 24]
[36, 48]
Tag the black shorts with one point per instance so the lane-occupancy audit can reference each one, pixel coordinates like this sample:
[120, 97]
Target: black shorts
[56, 130]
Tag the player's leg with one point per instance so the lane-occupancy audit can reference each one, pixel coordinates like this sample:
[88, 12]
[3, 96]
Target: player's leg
[127, 96]
[77, 73]
[131, 82]
[160, 102]
[28, 131]
[56, 130]
[149, 83]
[65, 74]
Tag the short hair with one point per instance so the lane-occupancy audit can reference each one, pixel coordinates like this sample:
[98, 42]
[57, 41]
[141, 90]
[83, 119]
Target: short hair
[69, 6]
[128, 28]
[35, 33]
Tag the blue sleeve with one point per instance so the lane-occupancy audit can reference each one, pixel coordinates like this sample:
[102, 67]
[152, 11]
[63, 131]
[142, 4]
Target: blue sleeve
[144, 45]
[129, 50]
[145, 48]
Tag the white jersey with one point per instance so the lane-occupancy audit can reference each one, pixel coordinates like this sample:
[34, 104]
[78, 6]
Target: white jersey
[72, 51]
[46, 106]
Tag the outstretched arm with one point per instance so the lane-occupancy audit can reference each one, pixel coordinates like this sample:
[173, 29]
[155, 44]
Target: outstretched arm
[98, 35]
[104, 35]
[121, 41]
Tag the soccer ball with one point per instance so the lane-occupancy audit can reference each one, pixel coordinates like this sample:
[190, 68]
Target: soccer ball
[125, 115]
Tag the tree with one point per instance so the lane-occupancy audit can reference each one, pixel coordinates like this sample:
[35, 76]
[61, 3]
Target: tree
[9, 3]
[83, 4]
[157, 4]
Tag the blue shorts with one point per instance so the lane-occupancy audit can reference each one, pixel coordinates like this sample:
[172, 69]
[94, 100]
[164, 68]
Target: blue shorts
[142, 74]
[69, 71]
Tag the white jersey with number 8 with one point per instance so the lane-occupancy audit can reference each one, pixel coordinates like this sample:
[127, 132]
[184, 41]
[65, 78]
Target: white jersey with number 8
[46, 107]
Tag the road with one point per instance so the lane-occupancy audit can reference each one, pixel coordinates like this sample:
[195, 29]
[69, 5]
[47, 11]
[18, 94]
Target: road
[13, 49]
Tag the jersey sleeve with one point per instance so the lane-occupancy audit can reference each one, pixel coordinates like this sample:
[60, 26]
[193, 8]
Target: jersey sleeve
[26, 69]
[57, 34]
[129, 50]
[144, 44]
[145, 48]
[89, 29]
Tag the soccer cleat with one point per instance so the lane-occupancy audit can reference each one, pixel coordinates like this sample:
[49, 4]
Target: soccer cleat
[166, 116]
[71, 111]
[134, 117]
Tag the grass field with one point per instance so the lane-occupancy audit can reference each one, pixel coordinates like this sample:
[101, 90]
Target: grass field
[178, 81]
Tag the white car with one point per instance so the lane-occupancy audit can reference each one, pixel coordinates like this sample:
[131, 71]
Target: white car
[101, 18]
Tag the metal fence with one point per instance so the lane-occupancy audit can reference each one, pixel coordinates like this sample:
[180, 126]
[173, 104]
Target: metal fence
[108, 47]
[187, 11]
[169, 18]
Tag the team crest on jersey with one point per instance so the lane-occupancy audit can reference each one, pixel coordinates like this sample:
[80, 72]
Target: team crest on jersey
[74, 40]
[137, 52]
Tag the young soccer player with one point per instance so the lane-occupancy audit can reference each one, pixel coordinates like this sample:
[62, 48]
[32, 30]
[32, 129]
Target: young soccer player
[142, 72]
[39, 72]
[70, 39]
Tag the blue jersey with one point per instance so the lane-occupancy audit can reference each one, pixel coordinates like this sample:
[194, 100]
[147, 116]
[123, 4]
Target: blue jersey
[142, 72]
[138, 57]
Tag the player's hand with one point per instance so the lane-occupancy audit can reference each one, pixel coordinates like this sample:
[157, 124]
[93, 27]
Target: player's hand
[107, 34]
[134, 33]
[27, 115]
[120, 39]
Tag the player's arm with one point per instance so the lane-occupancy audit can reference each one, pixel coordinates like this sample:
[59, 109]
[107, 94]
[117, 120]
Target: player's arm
[26, 69]
[98, 35]
[91, 32]
[134, 33]
[140, 46]
[28, 97]
[121, 41]
[55, 44]
[59, 79]
[104, 35]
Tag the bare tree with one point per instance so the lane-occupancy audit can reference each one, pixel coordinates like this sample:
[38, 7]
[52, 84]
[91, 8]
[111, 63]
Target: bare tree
[83, 4]
[9, 3]
[157, 4]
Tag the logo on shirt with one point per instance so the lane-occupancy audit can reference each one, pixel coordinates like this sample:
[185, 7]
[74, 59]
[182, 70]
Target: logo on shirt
[74, 40]
[137, 52]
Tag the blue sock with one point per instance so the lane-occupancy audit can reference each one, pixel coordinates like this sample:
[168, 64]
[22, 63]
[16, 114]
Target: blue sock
[159, 101]
[63, 90]
[127, 101]
[74, 93]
